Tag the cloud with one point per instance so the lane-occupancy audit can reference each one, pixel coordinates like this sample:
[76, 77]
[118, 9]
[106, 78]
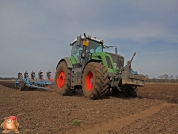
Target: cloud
[36, 34]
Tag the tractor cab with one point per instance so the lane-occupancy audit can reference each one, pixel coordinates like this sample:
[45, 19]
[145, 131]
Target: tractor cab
[93, 45]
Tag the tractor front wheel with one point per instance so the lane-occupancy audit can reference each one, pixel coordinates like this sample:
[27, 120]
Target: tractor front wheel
[95, 81]
[63, 80]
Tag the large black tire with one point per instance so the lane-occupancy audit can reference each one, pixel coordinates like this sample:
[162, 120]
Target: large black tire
[63, 80]
[130, 92]
[95, 81]
[21, 86]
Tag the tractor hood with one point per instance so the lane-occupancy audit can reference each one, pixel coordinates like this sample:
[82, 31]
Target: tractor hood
[117, 59]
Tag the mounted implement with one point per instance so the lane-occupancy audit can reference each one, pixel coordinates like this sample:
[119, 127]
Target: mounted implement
[35, 83]
[95, 71]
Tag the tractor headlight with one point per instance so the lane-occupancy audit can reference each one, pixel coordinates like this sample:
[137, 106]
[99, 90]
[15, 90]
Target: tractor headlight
[115, 65]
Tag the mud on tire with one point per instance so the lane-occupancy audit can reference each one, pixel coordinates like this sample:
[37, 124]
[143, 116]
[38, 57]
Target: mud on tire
[95, 81]
[63, 80]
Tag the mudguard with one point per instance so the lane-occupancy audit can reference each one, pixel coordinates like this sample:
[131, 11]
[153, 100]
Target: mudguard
[67, 60]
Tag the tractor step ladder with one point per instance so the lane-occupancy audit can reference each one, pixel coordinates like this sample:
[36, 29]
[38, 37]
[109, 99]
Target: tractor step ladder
[72, 79]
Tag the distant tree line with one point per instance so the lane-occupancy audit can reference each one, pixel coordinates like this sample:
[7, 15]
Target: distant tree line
[7, 78]
[165, 78]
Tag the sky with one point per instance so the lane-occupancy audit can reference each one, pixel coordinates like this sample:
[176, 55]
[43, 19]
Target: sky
[35, 34]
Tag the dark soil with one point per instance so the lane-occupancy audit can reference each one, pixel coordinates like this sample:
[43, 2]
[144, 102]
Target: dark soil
[166, 92]
[155, 110]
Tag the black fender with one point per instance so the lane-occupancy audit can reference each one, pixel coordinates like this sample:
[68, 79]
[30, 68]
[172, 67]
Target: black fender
[67, 60]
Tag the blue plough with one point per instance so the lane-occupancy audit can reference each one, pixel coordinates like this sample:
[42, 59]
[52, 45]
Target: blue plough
[33, 83]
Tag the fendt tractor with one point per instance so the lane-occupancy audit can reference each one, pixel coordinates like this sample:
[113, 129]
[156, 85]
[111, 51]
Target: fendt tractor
[95, 72]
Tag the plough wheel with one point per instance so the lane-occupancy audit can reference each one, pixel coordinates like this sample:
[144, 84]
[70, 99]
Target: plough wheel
[21, 86]
[63, 80]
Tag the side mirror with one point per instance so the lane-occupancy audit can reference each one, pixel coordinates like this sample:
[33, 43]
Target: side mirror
[79, 40]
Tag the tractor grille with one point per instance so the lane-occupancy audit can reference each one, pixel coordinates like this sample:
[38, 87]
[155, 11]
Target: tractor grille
[118, 59]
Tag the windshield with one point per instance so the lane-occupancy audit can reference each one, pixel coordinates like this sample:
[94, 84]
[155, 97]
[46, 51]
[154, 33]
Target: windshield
[91, 48]
[94, 47]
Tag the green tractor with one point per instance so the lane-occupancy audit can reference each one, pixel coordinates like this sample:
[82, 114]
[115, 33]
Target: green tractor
[96, 72]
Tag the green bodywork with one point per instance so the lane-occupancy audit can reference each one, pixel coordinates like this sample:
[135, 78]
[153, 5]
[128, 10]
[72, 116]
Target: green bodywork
[99, 57]
[73, 60]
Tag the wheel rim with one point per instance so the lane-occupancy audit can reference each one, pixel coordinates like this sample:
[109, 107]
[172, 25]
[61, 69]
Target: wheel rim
[89, 81]
[61, 79]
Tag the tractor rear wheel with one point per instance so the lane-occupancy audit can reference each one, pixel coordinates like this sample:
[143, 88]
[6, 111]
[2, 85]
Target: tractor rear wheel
[63, 80]
[130, 92]
[95, 81]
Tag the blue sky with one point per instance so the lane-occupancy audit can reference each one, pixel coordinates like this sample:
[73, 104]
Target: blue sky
[35, 34]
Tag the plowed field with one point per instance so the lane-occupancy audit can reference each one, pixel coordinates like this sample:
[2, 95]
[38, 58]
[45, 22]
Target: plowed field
[155, 110]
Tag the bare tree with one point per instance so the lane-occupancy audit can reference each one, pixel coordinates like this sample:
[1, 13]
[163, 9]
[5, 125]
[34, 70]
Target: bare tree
[176, 76]
[147, 77]
[171, 77]
[160, 77]
[165, 76]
